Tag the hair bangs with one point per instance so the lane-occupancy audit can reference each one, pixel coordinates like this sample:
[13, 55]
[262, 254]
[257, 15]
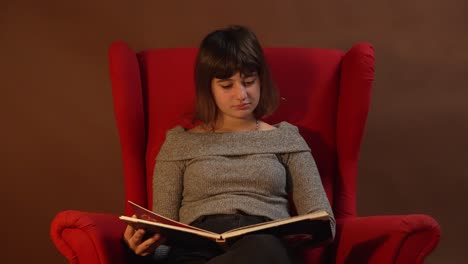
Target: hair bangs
[235, 59]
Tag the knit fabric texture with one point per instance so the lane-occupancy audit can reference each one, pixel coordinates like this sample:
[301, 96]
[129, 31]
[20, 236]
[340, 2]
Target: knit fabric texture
[247, 172]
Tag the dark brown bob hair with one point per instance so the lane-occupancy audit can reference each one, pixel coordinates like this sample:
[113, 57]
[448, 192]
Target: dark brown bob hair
[223, 53]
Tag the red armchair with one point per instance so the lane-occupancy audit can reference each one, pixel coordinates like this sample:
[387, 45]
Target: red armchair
[326, 93]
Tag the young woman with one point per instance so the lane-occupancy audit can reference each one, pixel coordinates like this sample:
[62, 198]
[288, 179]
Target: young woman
[232, 169]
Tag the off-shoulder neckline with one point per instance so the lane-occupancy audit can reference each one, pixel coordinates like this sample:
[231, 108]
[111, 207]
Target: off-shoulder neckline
[279, 126]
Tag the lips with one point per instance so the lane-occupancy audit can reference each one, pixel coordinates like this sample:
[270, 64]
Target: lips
[242, 106]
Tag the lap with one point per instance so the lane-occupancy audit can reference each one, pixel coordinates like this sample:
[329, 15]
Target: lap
[256, 248]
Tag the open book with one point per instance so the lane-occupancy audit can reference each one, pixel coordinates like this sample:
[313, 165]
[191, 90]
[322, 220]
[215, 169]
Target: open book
[313, 228]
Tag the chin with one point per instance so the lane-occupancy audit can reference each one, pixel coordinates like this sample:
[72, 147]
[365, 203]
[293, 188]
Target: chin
[244, 116]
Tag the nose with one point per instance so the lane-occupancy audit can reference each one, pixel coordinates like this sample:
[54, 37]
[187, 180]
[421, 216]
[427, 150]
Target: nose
[241, 92]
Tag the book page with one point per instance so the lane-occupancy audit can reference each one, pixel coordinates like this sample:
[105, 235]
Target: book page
[320, 215]
[173, 233]
[145, 214]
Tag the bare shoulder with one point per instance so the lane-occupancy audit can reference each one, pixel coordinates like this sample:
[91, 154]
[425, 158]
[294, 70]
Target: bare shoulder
[265, 126]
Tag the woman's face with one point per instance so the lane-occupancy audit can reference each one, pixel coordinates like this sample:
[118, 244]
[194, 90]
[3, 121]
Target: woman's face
[237, 96]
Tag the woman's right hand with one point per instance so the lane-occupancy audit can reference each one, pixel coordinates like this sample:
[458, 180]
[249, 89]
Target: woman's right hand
[134, 240]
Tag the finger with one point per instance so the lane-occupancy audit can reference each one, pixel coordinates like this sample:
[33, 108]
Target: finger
[149, 246]
[144, 247]
[159, 240]
[129, 232]
[138, 236]
[136, 239]
[156, 238]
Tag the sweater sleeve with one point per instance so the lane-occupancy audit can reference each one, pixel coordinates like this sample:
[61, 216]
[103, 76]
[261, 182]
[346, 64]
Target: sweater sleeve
[168, 187]
[306, 186]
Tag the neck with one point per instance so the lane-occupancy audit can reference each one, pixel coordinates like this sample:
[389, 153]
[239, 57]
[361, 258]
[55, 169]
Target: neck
[233, 125]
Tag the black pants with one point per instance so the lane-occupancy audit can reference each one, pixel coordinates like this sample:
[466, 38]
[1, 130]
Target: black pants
[258, 248]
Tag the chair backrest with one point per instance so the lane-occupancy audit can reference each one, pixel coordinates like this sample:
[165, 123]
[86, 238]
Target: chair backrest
[325, 92]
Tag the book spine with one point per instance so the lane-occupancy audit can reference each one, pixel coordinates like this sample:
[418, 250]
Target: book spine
[220, 240]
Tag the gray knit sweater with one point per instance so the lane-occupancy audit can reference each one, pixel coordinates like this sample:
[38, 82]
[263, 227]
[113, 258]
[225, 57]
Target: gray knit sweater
[224, 173]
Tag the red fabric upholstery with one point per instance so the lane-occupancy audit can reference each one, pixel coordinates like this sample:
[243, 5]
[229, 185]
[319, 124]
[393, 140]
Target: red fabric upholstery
[89, 238]
[386, 239]
[326, 93]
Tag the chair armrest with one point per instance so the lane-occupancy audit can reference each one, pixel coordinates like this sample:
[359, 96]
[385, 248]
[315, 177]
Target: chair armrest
[386, 239]
[90, 238]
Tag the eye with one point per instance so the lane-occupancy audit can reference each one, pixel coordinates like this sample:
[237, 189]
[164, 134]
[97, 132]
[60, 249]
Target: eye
[226, 86]
[249, 82]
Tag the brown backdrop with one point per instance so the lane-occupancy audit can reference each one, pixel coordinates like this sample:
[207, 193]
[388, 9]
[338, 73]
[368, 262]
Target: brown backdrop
[59, 146]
